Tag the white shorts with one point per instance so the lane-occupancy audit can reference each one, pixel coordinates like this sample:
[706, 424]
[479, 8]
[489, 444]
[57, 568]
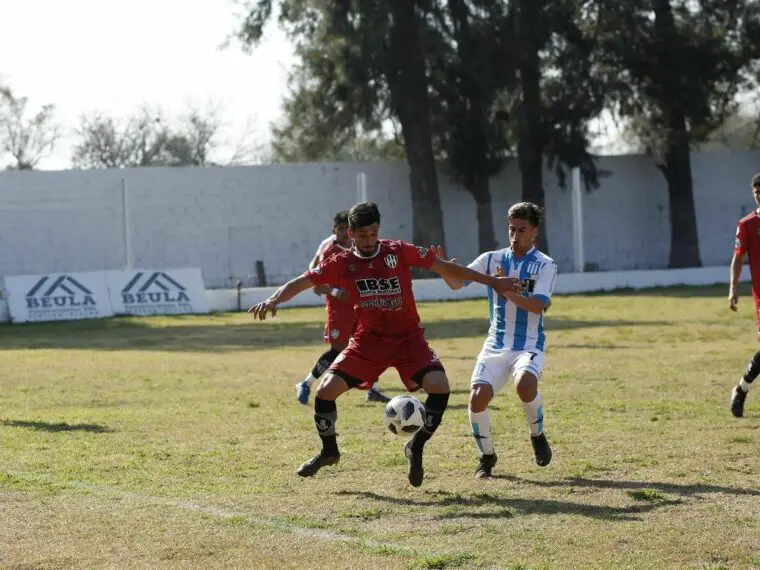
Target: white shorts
[494, 366]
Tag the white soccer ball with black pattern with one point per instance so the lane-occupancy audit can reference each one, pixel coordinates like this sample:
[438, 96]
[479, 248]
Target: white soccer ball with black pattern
[404, 415]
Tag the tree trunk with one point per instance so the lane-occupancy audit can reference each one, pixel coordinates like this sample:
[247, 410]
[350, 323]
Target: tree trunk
[684, 239]
[530, 129]
[480, 191]
[409, 93]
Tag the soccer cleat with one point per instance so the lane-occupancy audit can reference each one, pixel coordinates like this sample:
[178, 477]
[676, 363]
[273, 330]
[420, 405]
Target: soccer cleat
[737, 401]
[310, 468]
[485, 465]
[302, 392]
[416, 472]
[375, 395]
[541, 449]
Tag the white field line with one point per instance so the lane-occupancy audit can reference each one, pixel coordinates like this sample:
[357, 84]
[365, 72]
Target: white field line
[224, 513]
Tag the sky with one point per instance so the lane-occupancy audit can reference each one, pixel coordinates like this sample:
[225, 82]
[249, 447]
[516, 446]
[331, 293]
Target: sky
[114, 55]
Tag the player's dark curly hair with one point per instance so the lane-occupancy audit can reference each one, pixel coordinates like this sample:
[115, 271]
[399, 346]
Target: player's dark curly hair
[340, 218]
[528, 211]
[362, 215]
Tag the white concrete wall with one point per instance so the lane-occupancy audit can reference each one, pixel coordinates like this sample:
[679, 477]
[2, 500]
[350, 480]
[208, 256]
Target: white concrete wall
[567, 283]
[224, 219]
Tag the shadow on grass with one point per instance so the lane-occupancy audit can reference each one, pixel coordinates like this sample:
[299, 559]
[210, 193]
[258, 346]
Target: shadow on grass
[134, 334]
[56, 427]
[673, 488]
[456, 506]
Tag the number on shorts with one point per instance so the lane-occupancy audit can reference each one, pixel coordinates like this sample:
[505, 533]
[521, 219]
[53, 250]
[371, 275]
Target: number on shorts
[533, 355]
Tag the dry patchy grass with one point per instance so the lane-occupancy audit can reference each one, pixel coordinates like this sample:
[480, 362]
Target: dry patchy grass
[173, 442]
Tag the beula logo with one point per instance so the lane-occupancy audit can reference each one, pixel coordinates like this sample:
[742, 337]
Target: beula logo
[157, 287]
[60, 293]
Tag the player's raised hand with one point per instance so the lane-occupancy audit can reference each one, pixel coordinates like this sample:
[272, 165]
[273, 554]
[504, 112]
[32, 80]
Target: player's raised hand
[506, 284]
[438, 249]
[733, 300]
[260, 310]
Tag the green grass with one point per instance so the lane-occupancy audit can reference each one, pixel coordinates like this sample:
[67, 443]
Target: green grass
[173, 442]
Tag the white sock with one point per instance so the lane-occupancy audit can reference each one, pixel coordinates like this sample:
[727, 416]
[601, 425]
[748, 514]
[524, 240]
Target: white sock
[534, 415]
[309, 380]
[744, 385]
[481, 431]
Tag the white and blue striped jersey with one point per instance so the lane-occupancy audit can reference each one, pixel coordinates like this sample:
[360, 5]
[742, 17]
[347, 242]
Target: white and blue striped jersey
[513, 328]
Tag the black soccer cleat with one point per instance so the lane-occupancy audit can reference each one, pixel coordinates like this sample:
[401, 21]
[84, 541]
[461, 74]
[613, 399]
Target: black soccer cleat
[375, 395]
[310, 468]
[485, 465]
[541, 449]
[737, 401]
[416, 472]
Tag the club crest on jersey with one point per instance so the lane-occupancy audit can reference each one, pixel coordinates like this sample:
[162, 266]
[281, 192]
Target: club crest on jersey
[422, 251]
[391, 260]
[534, 267]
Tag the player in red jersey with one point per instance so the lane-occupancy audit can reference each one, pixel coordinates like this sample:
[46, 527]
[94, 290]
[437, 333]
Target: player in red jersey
[340, 313]
[747, 243]
[377, 273]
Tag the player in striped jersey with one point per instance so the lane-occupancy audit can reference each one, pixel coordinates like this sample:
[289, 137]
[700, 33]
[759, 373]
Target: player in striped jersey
[516, 339]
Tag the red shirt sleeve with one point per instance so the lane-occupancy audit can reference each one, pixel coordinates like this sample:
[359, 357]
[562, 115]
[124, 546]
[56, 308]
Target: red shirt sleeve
[741, 245]
[328, 272]
[418, 256]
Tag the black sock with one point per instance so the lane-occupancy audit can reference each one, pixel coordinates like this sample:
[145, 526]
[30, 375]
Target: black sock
[435, 405]
[753, 368]
[324, 362]
[325, 416]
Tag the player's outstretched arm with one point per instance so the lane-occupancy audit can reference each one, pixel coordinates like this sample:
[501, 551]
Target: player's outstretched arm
[282, 295]
[531, 304]
[453, 271]
[736, 270]
[451, 282]
[319, 289]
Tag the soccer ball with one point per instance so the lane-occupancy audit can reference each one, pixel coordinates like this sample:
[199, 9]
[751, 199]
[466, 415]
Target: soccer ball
[404, 415]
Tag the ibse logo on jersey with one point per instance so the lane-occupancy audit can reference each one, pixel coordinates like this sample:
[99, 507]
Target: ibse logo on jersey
[383, 286]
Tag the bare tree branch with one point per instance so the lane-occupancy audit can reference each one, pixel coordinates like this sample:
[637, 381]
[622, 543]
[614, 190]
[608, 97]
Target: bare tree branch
[28, 138]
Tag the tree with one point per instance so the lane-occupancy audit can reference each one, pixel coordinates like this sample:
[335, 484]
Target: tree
[369, 56]
[316, 127]
[674, 68]
[739, 131]
[104, 142]
[149, 138]
[471, 71]
[28, 138]
[558, 93]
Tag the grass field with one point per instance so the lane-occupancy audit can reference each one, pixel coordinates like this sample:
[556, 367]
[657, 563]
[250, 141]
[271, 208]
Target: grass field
[173, 443]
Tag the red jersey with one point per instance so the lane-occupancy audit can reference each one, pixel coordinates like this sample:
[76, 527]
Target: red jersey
[748, 242]
[380, 285]
[327, 249]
